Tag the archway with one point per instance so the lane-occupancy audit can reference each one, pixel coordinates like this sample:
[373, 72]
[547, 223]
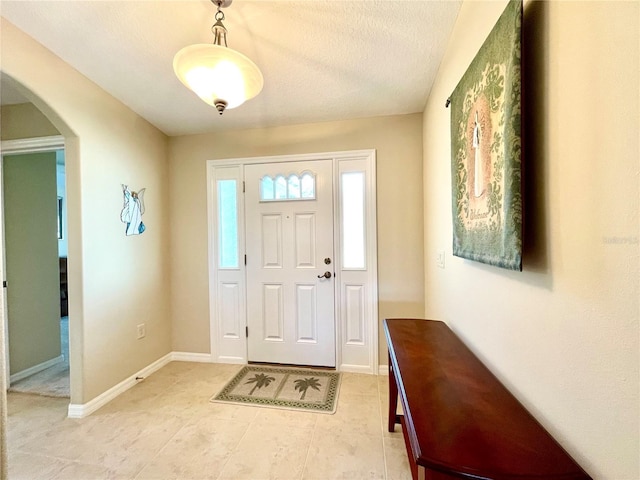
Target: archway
[70, 142]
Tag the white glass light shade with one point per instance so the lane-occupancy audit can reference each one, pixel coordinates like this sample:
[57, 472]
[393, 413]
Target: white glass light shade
[215, 72]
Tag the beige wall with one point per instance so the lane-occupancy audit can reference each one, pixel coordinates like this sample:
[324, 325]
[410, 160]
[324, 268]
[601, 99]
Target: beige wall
[563, 334]
[31, 252]
[24, 120]
[116, 282]
[398, 142]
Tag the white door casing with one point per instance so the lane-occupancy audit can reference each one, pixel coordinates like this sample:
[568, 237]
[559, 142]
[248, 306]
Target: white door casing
[354, 263]
[290, 301]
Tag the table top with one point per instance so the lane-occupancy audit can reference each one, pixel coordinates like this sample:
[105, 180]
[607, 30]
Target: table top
[460, 417]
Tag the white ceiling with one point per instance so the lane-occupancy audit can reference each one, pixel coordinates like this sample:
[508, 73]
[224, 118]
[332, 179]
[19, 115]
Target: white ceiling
[322, 60]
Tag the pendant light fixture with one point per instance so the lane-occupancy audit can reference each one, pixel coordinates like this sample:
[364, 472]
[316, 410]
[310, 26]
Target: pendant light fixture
[220, 76]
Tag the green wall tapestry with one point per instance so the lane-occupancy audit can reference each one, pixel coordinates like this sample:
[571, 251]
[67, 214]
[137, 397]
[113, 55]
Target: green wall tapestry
[486, 149]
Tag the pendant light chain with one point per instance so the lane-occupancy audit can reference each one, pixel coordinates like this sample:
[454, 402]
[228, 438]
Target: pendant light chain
[218, 29]
[221, 13]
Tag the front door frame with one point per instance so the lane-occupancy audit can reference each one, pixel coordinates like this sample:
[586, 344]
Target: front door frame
[356, 294]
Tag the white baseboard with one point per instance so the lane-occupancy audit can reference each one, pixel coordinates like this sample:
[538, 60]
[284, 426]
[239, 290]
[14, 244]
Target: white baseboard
[191, 357]
[85, 409]
[232, 360]
[383, 370]
[35, 369]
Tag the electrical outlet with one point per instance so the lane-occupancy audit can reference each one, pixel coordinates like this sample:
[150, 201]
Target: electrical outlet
[142, 330]
[440, 259]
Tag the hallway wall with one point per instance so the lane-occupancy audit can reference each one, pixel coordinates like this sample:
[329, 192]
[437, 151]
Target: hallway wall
[563, 335]
[115, 282]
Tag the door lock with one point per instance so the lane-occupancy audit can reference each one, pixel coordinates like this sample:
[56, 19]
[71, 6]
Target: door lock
[327, 261]
[326, 274]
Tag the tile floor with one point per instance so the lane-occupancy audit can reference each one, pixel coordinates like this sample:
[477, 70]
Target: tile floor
[166, 428]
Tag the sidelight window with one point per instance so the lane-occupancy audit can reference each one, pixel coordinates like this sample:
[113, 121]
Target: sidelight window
[352, 204]
[228, 223]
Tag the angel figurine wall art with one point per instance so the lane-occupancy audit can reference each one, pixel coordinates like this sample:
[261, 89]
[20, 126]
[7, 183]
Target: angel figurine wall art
[133, 210]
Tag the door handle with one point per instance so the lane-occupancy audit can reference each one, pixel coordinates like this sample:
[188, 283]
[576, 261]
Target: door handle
[326, 274]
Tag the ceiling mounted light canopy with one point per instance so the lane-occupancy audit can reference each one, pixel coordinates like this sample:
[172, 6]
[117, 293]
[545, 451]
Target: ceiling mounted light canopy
[220, 76]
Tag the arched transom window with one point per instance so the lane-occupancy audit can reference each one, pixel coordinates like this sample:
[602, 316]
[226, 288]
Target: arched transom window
[293, 187]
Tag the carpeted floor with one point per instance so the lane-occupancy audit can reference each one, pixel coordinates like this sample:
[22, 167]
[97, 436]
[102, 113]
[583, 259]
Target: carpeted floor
[54, 381]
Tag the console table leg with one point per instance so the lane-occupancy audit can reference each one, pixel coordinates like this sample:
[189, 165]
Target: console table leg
[393, 398]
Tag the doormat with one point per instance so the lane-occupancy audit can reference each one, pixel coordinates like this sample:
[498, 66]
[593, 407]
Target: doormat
[285, 388]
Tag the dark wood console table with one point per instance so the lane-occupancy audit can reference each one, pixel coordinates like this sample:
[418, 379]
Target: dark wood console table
[458, 419]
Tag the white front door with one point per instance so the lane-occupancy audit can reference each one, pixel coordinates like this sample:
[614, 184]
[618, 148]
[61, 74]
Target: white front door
[290, 263]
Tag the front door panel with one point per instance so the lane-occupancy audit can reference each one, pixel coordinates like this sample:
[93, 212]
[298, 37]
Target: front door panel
[289, 234]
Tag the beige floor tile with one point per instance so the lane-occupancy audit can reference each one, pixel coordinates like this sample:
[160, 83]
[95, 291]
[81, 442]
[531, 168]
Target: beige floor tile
[122, 442]
[351, 456]
[383, 380]
[354, 399]
[139, 398]
[192, 384]
[206, 371]
[286, 418]
[38, 467]
[77, 471]
[384, 411]
[126, 442]
[209, 378]
[243, 413]
[383, 386]
[198, 451]
[32, 405]
[358, 384]
[26, 436]
[24, 466]
[205, 387]
[355, 414]
[180, 400]
[30, 417]
[396, 460]
[269, 452]
[174, 369]
[166, 427]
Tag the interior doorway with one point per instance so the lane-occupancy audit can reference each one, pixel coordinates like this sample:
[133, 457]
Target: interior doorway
[34, 207]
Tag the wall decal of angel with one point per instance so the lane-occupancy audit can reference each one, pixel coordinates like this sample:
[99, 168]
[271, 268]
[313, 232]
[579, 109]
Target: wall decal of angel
[133, 210]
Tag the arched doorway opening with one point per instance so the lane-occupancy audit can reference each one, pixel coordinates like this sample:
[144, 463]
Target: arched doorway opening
[66, 141]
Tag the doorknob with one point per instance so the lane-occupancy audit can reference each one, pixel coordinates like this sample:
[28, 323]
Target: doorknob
[325, 275]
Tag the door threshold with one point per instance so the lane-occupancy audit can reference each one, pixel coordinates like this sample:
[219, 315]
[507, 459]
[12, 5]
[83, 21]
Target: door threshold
[292, 365]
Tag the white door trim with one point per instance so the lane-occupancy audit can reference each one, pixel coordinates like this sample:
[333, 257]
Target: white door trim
[356, 302]
[32, 145]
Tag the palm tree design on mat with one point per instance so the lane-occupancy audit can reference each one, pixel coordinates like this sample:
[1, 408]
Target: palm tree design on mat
[304, 385]
[260, 380]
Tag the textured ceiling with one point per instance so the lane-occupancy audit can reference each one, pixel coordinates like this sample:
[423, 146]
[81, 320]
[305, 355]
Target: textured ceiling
[321, 60]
